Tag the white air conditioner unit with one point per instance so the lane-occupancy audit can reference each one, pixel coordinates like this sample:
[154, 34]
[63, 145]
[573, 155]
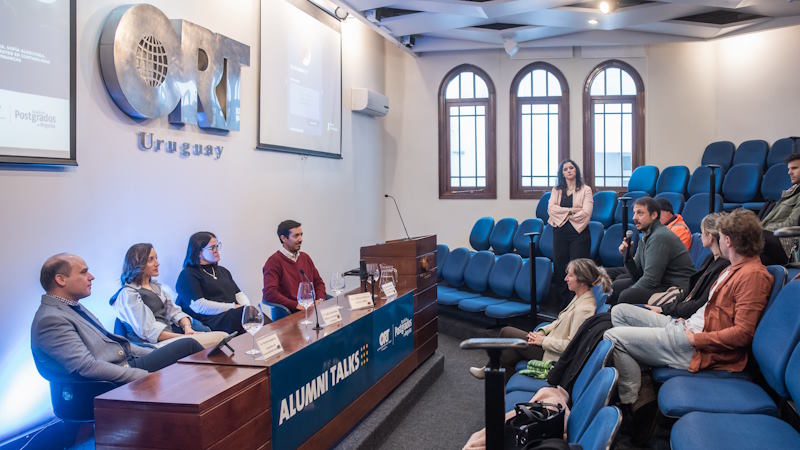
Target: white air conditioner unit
[369, 102]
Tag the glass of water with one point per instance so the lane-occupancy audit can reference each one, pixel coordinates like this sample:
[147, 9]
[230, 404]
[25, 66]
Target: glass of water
[305, 298]
[252, 321]
[337, 285]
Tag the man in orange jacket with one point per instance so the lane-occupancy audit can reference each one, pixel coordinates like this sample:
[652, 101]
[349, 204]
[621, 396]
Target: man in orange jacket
[674, 222]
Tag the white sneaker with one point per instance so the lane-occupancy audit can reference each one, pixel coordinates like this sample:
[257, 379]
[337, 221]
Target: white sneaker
[478, 372]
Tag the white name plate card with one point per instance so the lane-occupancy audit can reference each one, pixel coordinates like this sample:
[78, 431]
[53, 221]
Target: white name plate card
[360, 301]
[388, 289]
[330, 315]
[269, 346]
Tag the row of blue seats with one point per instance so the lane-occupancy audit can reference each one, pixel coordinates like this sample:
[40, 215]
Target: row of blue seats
[742, 186]
[726, 155]
[506, 237]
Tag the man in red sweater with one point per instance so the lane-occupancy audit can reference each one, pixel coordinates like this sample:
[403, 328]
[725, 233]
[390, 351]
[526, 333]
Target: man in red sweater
[282, 275]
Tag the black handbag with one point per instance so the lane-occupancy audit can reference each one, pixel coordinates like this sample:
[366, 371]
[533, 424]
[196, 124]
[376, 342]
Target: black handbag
[532, 423]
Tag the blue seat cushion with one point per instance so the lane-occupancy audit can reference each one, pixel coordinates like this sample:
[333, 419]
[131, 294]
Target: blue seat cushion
[753, 206]
[507, 309]
[521, 365]
[519, 382]
[662, 374]
[440, 289]
[478, 304]
[454, 297]
[726, 206]
[682, 395]
[514, 397]
[732, 431]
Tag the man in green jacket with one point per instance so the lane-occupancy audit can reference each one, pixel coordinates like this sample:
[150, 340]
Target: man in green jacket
[661, 259]
[786, 211]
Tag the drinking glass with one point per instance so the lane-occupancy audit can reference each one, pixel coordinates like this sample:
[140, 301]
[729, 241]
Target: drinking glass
[337, 285]
[305, 298]
[252, 321]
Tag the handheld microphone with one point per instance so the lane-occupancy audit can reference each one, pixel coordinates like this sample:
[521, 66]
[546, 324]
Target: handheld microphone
[316, 310]
[398, 213]
[628, 239]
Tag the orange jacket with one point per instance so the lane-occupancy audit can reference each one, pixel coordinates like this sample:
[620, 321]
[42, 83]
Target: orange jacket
[679, 227]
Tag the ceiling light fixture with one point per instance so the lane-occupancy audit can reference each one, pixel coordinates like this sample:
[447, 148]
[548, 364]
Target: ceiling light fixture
[592, 21]
[605, 7]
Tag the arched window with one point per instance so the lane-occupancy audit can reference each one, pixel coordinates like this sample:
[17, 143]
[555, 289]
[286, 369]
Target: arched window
[539, 129]
[613, 124]
[467, 134]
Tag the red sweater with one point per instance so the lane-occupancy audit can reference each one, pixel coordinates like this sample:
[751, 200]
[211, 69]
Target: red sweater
[282, 278]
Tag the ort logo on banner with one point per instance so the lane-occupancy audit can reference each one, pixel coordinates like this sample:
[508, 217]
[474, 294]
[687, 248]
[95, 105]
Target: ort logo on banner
[154, 67]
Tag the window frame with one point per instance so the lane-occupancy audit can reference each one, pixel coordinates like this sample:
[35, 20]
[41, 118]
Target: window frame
[490, 190]
[516, 189]
[637, 120]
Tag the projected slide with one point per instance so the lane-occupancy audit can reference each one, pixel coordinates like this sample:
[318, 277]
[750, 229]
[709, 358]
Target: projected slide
[301, 81]
[35, 79]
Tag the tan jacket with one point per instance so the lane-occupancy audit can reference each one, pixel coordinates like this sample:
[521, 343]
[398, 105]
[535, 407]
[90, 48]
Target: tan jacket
[559, 215]
[559, 332]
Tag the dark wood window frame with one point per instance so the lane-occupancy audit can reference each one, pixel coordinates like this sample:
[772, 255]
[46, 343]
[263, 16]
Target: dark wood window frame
[638, 153]
[534, 192]
[490, 103]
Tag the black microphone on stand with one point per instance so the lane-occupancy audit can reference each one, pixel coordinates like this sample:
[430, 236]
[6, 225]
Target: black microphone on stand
[628, 239]
[398, 213]
[316, 312]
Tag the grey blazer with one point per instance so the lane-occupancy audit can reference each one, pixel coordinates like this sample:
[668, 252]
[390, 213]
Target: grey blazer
[66, 346]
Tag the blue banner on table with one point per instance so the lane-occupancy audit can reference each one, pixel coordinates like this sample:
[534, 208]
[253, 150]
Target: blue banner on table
[310, 387]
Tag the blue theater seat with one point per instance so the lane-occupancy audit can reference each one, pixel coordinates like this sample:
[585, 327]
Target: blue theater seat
[740, 431]
[696, 208]
[609, 246]
[476, 279]
[605, 203]
[752, 152]
[603, 429]
[720, 153]
[520, 305]
[522, 242]
[774, 341]
[741, 185]
[501, 284]
[596, 230]
[452, 273]
[545, 246]
[618, 211]
[780, 150]
[697, 251]
[775, 181]
[479, 236]
[700, 181]
[643, 178]
[502, 237]
[541, 207]
[673, 179]
[441, 255]
[674, 198]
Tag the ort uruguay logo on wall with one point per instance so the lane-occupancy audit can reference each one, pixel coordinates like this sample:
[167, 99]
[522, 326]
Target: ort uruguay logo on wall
[153, 66]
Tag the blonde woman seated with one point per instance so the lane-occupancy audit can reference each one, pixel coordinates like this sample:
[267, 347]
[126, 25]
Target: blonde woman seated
[548, 342]
[147, 310]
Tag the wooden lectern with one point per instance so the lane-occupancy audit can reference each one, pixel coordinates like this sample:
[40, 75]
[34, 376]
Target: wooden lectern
[415, 261]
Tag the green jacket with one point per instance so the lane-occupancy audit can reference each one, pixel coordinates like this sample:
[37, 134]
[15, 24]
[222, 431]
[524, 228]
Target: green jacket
[785, 212]
[661, 260]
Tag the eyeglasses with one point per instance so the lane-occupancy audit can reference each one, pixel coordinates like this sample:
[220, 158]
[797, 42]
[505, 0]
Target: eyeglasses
[214, 247]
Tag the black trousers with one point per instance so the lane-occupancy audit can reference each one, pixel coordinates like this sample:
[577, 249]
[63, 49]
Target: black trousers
[166, 355]
[622, 292]
[568, 244]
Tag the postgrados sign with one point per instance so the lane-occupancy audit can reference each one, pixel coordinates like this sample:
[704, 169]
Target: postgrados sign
[153, 66]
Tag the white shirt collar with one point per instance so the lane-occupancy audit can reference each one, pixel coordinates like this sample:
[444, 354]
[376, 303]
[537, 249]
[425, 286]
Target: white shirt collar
[288, 254]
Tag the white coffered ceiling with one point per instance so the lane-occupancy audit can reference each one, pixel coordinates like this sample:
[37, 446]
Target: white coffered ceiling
[447, 25]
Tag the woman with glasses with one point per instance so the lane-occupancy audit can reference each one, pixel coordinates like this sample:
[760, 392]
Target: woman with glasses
[206, 290]
[146, 309]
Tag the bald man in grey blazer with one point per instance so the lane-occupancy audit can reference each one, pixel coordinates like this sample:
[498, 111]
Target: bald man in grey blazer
[69, 343]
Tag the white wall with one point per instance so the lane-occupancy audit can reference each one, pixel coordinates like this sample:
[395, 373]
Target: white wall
[119, 195]
[734, 89]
